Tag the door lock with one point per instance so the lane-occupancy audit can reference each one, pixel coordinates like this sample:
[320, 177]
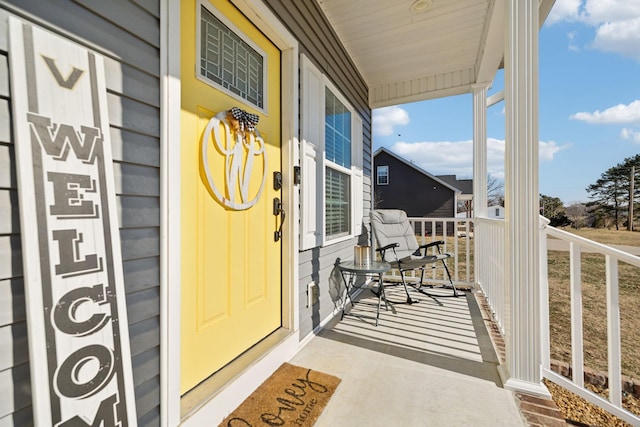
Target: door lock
[278, 210]
[277, 180]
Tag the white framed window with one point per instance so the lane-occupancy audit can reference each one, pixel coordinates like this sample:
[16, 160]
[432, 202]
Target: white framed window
[382, 175]
[229, 60]
[331, 162]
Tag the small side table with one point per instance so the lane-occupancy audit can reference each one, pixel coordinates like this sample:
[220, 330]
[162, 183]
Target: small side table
[354, 270]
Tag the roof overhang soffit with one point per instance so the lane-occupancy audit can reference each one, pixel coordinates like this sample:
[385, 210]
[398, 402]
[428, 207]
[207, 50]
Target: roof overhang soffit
[489, 60]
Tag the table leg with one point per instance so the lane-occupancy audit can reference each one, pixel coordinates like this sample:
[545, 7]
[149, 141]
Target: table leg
[348, 285]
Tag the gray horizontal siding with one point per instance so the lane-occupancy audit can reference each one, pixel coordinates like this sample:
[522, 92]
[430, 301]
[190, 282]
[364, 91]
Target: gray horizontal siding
[21, 417]
[127, 34]
[4, 118]
[4, 73]
[142, 273]
[9, 221]
[136, 20]
[151, 6]
[14, 349]
[320, 43]
[80, 24]
[138, 149]
[317, 265]
[7, 161]
[12, 303]
[413, 191]
[10, 257]
[15, 388]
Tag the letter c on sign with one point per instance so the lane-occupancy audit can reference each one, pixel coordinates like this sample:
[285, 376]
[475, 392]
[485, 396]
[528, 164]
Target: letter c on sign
[64, 313]
[68, 375]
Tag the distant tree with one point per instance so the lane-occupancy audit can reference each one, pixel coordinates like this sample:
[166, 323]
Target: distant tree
[578, 214]
[610, 194]
[377, 198]
[553, 209]
[495, 191]
[600, 218]
[495, 196]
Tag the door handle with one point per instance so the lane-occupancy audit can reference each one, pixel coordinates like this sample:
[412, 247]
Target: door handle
[278, 210]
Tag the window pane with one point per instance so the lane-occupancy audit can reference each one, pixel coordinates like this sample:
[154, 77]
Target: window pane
[337, 131]
[383, 175]
[337, 203]
[229, 61]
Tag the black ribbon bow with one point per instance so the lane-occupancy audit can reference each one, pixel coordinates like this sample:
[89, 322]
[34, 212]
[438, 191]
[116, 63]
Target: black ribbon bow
[247, 121]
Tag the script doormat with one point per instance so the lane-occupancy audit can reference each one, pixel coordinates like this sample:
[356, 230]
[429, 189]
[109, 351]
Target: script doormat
[291, 396]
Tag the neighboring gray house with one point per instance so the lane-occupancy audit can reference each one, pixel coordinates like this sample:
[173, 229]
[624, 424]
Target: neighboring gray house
[465, 198]
[401, 184]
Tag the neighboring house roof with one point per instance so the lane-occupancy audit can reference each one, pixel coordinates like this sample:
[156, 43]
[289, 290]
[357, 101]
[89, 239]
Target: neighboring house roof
[465, 185]
[419, 169]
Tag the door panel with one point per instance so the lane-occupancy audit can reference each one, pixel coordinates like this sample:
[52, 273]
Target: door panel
[231, 265]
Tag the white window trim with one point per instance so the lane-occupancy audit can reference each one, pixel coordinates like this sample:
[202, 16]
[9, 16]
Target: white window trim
[237, 31]
[313, 161]
[378, 175]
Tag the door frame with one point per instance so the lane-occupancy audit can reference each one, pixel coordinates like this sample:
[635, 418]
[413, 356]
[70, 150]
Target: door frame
[170, 277]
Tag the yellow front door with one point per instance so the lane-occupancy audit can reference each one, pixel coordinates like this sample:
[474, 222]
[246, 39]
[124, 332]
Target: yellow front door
[231, 278]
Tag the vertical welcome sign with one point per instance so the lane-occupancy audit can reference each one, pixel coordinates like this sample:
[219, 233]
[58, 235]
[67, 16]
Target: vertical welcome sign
[78, 332]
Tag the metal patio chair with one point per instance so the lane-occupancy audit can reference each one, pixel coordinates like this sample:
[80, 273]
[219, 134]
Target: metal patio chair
[397, 244]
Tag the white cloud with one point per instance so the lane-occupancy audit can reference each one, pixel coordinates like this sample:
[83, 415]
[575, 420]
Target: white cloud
[387, 118]
[617, 114]
[548, 149]
[564, 10]
[621, 37]
[616, 22]
[596, 12]
[456, 158]
[631, 134]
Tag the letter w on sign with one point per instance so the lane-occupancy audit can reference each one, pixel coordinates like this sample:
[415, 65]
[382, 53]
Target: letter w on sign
[78, 331]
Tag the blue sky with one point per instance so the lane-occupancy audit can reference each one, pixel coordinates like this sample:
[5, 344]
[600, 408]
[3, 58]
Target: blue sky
[589, 116]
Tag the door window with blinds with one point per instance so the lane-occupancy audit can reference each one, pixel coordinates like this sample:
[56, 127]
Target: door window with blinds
[331, 162]
[229, 60]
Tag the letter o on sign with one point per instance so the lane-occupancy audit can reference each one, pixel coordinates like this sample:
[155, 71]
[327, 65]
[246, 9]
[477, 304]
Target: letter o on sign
[68, 376]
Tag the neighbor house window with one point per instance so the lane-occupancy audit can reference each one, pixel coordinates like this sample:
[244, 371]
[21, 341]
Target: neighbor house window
[229, 60]
[331, 162]
[383, 175]
[497, 212]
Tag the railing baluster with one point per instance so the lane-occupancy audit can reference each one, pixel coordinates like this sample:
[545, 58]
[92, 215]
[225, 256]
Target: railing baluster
[577, 348]
[613, 332]
[544, 300]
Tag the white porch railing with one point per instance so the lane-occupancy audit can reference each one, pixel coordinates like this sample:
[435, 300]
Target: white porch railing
[613, 257]
[490, 259]
[478, 249]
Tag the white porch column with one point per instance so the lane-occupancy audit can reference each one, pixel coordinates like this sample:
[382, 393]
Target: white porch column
[480, 150]
[523, 340]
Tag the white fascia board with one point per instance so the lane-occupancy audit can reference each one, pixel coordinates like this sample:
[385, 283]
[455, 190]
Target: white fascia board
[492, 45]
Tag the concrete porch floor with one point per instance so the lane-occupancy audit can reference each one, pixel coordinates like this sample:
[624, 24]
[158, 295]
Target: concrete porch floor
[429, 364]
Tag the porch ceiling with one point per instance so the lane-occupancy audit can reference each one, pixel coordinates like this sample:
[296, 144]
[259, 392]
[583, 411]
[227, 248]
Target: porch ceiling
[407, 55]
